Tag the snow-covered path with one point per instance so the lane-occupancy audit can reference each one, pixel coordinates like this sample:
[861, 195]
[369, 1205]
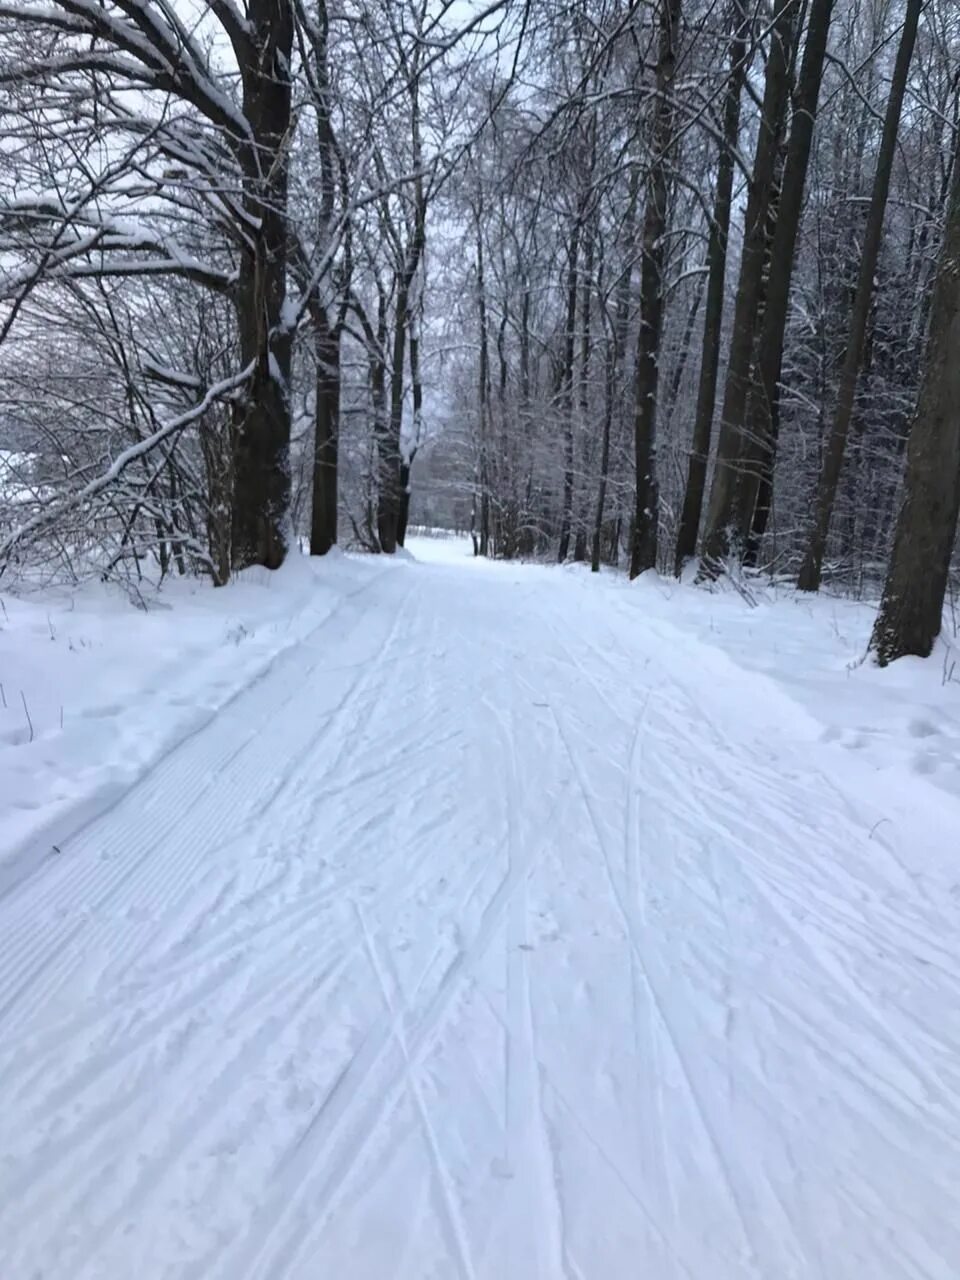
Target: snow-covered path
[497, 932]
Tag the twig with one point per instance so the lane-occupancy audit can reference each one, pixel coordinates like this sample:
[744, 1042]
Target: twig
[26, 711]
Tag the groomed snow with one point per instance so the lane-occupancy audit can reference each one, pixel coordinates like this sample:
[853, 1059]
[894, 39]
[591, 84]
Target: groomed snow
[475, 922]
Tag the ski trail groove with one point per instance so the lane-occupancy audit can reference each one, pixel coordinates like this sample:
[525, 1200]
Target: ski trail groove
[498, 930]
[631, 933]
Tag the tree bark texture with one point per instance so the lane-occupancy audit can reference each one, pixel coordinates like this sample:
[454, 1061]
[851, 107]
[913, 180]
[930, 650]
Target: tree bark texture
[261, 468]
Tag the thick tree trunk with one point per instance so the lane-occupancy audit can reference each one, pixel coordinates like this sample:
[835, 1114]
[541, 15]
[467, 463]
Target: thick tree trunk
[327, 333]
[643, 553]
[911, 610]
[762, 419]
[323, 522]
[261, 465]
[812, 568]
[713, 318]
[716, 539]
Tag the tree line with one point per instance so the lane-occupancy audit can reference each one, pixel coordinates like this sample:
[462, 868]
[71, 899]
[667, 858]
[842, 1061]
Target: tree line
[652, 283]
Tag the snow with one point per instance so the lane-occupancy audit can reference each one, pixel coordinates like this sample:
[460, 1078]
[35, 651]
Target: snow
[503, 922]
[94, 691]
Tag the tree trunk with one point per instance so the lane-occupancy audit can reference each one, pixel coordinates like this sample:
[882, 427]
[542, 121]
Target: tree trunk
[608, 394]
[762, 419]
[406, 464]
[378, 397]
[713, 318]
[644, 549]
[680, 367]
[391, 486]
[616, 348]
[323, 522]
[911, 610]
[327, 334]
[261, 465]
[484, 390]
[716, 539]
[586, 289]
[566, 389]
[812, 568]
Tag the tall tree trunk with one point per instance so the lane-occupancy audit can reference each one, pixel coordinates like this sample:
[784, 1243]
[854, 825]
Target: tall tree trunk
[377, 343]
[586, 289]
[323, 519]
[406, 463]
[762, 419]
[327, 334]
[776, 94]
[566, 388]
[911, 610]
[713, 318]
[261, 465]
[812, 568]
[484, 390]
[391, 488]
[616, 348]
[391, 485]
[608, 397]
[643, 554]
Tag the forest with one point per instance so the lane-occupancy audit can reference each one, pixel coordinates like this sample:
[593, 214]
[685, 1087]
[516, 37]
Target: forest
[666, 285]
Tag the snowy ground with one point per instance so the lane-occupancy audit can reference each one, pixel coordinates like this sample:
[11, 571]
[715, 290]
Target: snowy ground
[502, 923]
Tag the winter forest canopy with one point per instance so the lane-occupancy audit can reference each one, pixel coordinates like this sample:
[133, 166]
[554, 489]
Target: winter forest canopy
[633, 282]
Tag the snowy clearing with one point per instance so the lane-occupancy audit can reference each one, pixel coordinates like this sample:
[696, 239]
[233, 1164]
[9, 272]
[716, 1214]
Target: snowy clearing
[501, 923]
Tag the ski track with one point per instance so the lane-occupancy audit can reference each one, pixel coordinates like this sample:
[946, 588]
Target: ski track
[479, 937]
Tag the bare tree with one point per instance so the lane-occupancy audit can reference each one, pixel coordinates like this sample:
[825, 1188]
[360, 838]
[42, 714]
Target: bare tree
[911, 611]
[812, 567]
[643, 553]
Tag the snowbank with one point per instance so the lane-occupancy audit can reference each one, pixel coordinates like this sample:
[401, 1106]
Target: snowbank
[94, 690]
